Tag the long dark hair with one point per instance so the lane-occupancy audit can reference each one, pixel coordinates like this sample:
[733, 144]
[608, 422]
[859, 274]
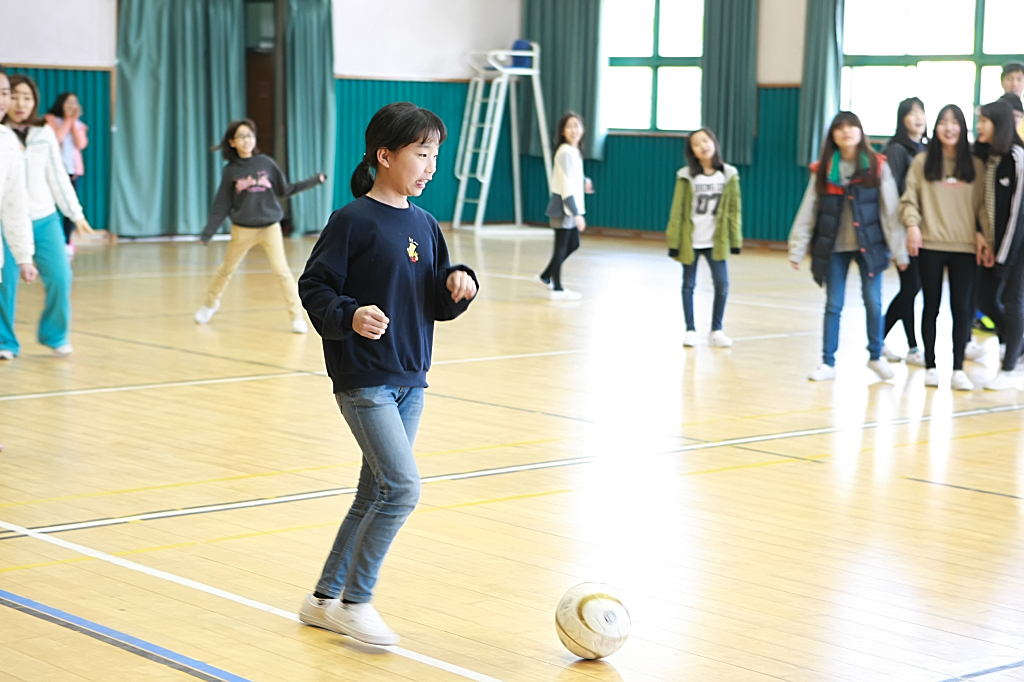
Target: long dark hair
[902, 135]
[829, 148]
[560, 129]
[58, 104]
[226, 150]
[691, 159]
[33, 116]
[1004, 135]
[394, 126]
[964, 169]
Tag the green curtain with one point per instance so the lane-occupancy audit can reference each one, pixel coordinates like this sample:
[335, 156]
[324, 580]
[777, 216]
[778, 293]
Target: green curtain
[310, 103]
[180, 81]
[823, 66]
[729, 82]
[569, 35]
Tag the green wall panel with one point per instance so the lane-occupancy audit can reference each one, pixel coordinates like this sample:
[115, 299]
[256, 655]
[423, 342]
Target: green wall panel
[634, 183]
[93, 91]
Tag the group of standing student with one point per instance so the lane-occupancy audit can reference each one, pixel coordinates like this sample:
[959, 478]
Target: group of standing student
[950, 211]
[47, 188]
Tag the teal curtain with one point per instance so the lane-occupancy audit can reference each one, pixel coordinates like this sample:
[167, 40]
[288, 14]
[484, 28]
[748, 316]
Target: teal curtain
[729, 81]
[823, 66]
[309, 64]
[569, 35]
[180, 81]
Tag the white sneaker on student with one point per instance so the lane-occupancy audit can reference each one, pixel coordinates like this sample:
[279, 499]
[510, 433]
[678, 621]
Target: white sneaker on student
[204, 314]
[313, 612]
[565, 295]
[974, 351]
[931, 377]
[299, 326]
[889, 355]
[718, 339]
[915, 357]
[63, 351]
[823, 373]
[960, 381]
[881, 368]
[1002, 381]
[690, 338]
[6, 355]
[360, 621]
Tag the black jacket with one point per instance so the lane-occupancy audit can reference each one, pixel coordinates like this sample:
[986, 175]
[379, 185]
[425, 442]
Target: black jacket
[899, 154]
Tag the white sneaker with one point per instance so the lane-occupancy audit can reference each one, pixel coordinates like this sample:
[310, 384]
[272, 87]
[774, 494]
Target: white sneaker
[313, 612]
[881, 368]
[359, 621]
[63, 351]
[690, 338]
[931, 377]
[6, 355]
[719, 339]
[545, 282]
[823, 373]
[565, 295]
[1002, 381]
[974, 351]
[204, 314]
[915, 357]
[299, 326]
[960, 381]
[889, 355]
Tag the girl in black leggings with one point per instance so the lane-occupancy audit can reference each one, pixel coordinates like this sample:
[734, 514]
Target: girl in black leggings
[941, 208]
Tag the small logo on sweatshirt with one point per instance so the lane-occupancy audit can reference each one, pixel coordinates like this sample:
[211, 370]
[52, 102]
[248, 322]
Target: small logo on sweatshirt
[260, 183]
[1005, 182]
[413, 256]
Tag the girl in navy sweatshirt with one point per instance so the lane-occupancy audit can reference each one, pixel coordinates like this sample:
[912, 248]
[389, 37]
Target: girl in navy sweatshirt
[248, 193]
[377, 279]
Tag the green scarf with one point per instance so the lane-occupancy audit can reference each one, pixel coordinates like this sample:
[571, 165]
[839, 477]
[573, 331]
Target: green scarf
[833, 167]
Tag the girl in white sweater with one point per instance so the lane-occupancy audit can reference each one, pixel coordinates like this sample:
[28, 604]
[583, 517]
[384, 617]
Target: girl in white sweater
[567, 207]
[48, 188]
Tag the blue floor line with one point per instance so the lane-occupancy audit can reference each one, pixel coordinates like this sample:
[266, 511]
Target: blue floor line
[982, 673]
[158, 654]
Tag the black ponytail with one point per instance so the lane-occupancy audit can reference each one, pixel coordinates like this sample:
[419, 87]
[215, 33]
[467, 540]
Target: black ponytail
[362, 179]
[394, 126]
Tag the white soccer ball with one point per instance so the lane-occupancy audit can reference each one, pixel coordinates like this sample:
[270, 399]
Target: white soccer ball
[591, 621]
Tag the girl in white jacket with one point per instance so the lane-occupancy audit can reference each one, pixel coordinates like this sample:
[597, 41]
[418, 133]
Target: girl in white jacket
[48, 187]
[567, 206]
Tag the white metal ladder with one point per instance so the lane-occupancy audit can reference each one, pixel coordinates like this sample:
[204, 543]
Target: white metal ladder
[481, 128]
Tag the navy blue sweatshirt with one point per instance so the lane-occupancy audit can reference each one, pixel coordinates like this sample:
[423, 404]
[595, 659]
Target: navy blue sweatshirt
[396, 259]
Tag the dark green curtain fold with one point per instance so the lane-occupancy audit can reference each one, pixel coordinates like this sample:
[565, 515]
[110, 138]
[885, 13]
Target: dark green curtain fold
[180, 81]
[823, 66]
[729, 82]
[310, 105]
[569, 35]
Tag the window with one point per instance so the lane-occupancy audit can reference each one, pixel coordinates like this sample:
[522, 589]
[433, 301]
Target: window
[652, 78]
[942, 51]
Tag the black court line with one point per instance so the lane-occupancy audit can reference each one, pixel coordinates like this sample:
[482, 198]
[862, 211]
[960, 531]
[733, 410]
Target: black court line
[982, 673]
[963, 487]
[125, 642]
[480, 473]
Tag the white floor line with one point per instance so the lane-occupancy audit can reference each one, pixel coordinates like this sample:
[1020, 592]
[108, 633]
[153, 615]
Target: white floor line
[217, 592]
[144, 387]
[511, 357]
[762, 337]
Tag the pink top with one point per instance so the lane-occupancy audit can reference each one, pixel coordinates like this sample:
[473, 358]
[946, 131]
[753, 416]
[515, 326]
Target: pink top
[71, 148]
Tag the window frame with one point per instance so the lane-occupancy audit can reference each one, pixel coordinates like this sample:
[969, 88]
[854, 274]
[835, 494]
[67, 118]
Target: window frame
[654, 62]
[978, 57]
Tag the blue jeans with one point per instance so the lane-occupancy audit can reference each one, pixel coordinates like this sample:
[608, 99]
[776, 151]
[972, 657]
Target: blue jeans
[835, 288]
[384, 420]
[720, 277]
[54, 269]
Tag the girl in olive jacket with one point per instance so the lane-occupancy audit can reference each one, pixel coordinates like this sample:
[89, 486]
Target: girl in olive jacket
[705, 221]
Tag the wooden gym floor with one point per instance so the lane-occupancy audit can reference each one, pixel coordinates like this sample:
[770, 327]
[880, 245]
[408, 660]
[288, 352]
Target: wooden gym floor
[168, 493]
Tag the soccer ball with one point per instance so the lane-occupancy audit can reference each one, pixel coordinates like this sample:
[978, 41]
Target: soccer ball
[591, 621]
